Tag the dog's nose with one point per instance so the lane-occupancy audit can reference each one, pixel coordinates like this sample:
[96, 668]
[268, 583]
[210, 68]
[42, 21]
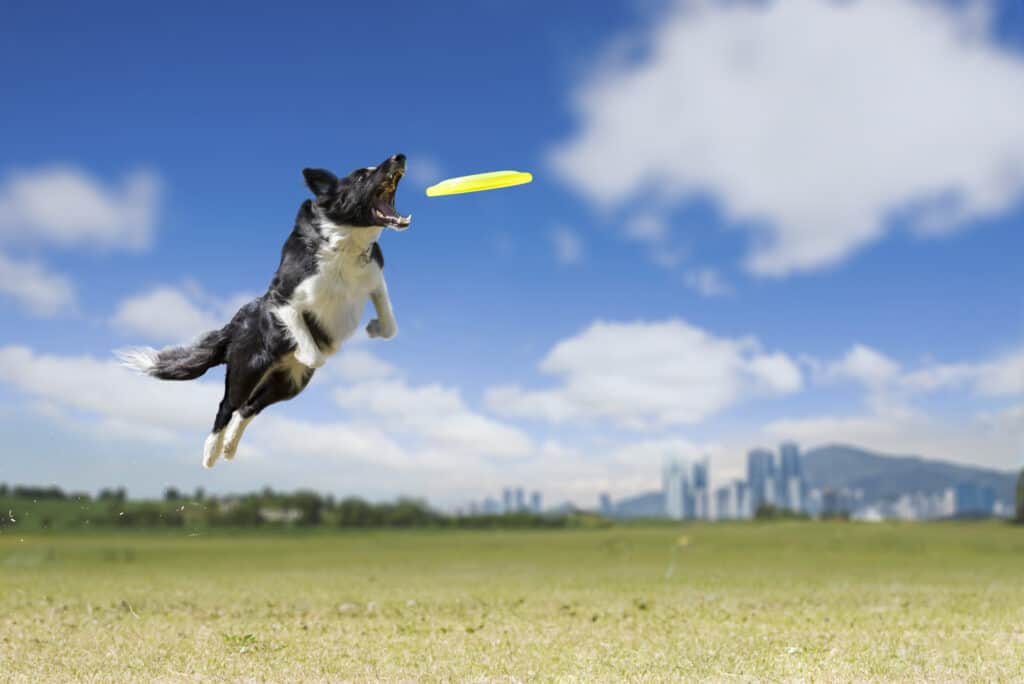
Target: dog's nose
[398, 159]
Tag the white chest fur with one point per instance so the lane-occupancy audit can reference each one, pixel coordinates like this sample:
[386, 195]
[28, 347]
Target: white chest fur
[337, 293]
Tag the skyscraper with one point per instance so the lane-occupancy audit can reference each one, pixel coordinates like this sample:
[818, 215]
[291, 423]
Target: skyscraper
[506, 500]
[675, 488]
[535, 502]
[700, 495]
[761, 478]
[723, 504]
[520, 500]
[790, 484]
[605, 503]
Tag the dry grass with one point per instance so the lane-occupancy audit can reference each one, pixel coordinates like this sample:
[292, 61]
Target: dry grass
[784, 601]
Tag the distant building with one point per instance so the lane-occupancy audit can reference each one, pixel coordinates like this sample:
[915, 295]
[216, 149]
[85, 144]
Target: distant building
[535, 502]
[761, 478]
[970, 499]
[700, 492]
[506, 500]
[790, 480]
[520, 500]
[605, 504]
[491, 506]
[676, 488]
[723, 504]
[741, 500]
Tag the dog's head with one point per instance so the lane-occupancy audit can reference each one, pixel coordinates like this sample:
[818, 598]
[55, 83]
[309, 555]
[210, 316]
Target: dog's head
[363, 198]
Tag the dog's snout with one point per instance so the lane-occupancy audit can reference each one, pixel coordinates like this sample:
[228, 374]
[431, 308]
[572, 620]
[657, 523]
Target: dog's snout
[398, 159]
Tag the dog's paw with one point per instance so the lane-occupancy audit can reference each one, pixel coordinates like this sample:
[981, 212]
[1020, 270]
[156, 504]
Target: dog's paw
[385, 331]
[212, 449]
[310, 358]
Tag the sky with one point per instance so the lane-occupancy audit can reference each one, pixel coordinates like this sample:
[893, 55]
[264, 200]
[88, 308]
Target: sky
[750, 222]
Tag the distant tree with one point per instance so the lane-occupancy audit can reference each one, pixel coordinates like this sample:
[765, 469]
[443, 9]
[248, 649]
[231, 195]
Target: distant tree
[200, 494]
[38, 493]
[3, 489]
[355, 512]
[116, 495]
[1020, 497]
[172, 494]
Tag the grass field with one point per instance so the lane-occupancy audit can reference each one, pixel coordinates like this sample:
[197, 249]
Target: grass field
[797, 600]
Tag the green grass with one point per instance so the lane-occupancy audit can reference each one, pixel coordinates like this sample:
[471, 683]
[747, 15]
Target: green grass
[821, 601]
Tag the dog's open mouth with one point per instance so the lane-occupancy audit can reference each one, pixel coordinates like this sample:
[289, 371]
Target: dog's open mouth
[384, 206]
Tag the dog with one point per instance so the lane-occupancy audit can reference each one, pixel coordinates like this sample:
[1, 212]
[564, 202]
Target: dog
[331, 264]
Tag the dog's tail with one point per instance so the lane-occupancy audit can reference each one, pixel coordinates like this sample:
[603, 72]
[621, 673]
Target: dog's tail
[179, 363]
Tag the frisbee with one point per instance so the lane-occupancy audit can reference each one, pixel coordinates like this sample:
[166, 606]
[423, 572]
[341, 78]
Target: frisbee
[478, 182]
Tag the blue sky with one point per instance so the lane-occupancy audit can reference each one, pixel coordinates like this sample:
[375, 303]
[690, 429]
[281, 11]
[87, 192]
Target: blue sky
[749, 222]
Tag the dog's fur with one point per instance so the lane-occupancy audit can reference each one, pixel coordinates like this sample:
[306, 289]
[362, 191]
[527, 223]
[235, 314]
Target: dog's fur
[330, 265]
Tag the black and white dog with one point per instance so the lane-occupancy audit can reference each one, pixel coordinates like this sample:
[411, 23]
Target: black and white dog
[330, 265]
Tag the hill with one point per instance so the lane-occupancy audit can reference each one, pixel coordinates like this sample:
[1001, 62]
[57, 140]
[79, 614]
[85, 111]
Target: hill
[884, 476]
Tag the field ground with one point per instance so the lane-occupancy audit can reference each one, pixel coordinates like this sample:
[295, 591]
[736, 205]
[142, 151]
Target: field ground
[793, 600]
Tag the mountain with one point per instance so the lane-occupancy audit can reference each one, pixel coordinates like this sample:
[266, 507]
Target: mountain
[649, 505]
[883, 476]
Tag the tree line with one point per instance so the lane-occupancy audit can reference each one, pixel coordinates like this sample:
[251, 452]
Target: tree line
[50, 507]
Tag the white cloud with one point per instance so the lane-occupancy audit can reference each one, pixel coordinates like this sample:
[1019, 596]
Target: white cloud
[105, 391]
[568, 245]
[810, 122]
[642, 375]
[434, 413]
[356, 364]
[864, 365]
[707, 282]
[172, 314]
[40, 291]
[1002, 376]
[65, 206]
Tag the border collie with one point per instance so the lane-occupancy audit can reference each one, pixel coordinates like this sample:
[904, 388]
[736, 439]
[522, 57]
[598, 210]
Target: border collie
[330, 265]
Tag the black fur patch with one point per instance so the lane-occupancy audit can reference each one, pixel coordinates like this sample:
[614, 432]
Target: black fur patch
[377, 255]
[319, 335]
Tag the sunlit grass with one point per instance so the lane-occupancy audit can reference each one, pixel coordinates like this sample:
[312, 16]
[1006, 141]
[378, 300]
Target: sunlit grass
[828, 601]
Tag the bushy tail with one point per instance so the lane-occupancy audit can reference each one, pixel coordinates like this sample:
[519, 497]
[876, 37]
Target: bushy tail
[179, 363]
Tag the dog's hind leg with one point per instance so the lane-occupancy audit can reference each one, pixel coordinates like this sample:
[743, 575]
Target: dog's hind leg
[233, 433]
[280, 385]
[240, 382]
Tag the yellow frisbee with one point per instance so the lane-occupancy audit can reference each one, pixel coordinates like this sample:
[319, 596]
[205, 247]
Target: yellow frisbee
[478, 182]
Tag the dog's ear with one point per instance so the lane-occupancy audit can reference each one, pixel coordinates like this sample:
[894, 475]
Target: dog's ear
[320, 181]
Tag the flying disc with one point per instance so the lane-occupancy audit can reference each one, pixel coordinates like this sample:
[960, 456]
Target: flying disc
[478, 182]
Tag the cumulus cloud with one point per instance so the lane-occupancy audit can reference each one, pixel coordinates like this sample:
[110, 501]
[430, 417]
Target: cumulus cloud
[175, 314]
[811, 123]
[434, 413]
[864, 365]
[40, 291]
[65, 206]
[106, 391]
[641, 375]
[1000, 376]
[568, 246]
[356, 364]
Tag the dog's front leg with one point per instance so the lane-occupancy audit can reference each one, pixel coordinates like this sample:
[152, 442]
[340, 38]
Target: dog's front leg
[306, 350]
[384, 324]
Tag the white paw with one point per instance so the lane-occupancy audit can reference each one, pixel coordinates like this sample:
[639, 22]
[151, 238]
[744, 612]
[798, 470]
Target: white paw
[376, 328]
[212, 448]
[309, 357]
